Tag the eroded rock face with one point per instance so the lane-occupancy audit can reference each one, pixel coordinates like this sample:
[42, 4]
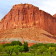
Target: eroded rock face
[27, 15]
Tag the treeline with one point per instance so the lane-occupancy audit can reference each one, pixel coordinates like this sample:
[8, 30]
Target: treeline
[14, 47]
[43, 49]
[39, 49]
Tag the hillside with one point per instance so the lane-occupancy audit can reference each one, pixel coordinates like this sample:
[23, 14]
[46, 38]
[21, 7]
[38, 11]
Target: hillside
[26, 22]
[31, 35]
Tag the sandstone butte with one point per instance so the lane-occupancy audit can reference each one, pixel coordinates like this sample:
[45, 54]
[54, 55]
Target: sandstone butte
[23, 16]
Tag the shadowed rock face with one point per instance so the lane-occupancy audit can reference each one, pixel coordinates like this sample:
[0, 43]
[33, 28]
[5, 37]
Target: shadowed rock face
[27, 15]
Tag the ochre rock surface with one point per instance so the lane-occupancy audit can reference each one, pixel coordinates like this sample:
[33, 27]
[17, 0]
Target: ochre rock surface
[27, 15]
[31, 35]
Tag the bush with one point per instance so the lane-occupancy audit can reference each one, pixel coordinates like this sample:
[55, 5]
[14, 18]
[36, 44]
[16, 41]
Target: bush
[16, 43]
[7, 44]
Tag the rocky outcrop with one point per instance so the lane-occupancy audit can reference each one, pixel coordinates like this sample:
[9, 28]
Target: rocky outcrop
[54, 15]
[27, 15]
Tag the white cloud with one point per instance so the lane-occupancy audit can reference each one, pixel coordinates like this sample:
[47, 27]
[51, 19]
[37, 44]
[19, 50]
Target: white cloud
[46, 5]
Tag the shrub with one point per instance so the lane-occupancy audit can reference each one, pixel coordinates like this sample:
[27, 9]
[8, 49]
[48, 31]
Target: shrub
[16, 43]
[7, 44]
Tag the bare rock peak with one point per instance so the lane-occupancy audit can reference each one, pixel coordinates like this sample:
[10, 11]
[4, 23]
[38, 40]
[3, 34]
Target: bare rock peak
[28, 15]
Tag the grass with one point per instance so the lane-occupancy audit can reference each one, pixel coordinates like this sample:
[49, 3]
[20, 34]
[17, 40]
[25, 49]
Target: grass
[27, 54]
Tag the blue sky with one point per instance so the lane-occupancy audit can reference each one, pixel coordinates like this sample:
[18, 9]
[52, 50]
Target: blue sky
[46, 5]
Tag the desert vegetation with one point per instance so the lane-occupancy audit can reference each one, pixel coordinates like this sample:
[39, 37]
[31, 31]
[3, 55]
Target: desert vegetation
[16, 48]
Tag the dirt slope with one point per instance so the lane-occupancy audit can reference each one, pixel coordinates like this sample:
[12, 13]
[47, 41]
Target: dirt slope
[31, 35]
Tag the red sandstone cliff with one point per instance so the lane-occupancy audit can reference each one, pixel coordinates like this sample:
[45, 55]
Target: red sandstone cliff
[27, 15]
[54, 15]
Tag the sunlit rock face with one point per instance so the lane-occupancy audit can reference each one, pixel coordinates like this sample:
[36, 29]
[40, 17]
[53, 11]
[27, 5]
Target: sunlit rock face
[27, 15]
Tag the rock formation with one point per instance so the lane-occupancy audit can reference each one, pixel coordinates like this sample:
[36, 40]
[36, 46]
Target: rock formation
[26, 22]
[27, 15]
[54, 15]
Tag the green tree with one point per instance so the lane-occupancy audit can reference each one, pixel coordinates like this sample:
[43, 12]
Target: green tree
[51, 50]
[32, 51]
[16, 49]
[26, 47]
[41, 50]
[1, 49]
[21, 49]
[9, 50]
